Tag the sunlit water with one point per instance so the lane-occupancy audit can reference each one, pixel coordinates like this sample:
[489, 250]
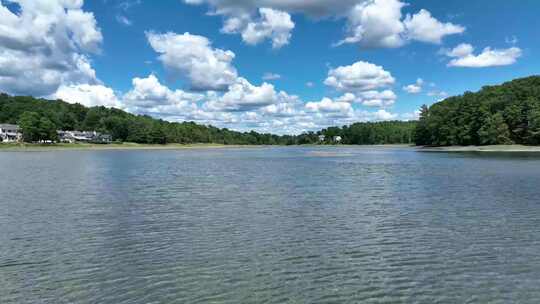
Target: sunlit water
[269, 225]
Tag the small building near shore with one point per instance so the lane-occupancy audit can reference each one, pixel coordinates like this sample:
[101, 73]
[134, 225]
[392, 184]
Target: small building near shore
[10, 133]
[337, 139]
[322, 138]
[84, 137]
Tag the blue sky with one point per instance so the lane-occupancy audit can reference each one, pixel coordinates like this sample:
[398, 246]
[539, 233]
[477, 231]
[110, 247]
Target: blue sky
[281, 66]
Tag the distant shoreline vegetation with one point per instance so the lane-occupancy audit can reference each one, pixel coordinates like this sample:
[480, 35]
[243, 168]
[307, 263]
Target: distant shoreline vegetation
[505, 114]
[40, 119]
[496, 115]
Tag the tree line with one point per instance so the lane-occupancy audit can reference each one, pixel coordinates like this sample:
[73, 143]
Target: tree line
[40, 119]
[364, 133]
[501, 114]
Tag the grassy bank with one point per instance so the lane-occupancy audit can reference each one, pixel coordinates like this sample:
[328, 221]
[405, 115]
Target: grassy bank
[124, 146]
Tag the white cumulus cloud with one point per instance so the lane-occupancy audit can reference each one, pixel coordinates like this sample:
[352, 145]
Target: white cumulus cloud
[359, 76]
[272, 24]
[373, 98]
[371, 23]
[376, 23]
[384, 115]
[247, 107]
[462, 50]
[327, 105]
[149, 95]
[88, 95]
[463, 56]
[379, 23]
[414, 88]
[361, 83]
[45, 44]
[194, 58]
[244, 96]
[423, 27]
[312, 8]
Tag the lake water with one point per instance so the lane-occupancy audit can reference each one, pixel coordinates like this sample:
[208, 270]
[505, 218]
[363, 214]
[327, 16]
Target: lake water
[269, 225]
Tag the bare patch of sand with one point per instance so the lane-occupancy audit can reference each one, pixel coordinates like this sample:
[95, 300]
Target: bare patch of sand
[497, 148]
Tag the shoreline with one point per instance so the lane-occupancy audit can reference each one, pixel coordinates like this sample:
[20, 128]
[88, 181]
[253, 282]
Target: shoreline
[109, 147]
[133, 146]
[487, 149]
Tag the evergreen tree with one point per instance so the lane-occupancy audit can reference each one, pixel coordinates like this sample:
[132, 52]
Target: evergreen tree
[422, 134]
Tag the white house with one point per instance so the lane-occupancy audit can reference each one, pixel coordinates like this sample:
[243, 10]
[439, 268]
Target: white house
[83, 136]
[337, 139]
[322, 138]
[10, 133]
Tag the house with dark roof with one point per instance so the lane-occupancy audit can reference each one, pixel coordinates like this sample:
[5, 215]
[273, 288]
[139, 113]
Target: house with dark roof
[10, 133]
[84, 137]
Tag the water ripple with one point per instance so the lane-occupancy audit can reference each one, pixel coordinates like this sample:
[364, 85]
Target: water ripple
[268, 226]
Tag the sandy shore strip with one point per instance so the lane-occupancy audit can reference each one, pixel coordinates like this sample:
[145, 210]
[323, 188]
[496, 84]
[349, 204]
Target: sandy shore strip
[124, 146]
[134, 146]
[497, 148]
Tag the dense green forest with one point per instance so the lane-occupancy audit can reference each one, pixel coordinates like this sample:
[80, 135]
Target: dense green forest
[40, 118]
[502, 114]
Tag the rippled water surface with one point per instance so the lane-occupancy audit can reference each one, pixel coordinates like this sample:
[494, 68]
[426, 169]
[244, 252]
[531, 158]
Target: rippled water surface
[269, 225]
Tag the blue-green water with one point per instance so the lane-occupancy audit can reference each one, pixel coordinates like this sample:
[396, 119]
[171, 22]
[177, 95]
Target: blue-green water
[269, 225]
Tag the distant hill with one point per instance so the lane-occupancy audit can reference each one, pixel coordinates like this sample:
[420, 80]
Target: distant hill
[501, 114]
